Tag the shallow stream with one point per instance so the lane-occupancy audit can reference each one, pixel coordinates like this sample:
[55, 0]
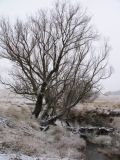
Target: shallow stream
[93, 154]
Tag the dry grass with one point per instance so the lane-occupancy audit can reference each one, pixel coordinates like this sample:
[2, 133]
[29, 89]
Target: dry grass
[19, 113]
[67, 144]
[40, 143]
[24, 136]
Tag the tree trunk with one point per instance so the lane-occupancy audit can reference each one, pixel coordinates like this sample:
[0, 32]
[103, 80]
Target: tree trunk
[38, 106]
[39, 102]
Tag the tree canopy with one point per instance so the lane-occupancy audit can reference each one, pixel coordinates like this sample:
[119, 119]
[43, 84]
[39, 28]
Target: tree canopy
[55, 59]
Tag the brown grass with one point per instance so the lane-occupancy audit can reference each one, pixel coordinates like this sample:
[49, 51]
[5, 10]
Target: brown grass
[24, 136]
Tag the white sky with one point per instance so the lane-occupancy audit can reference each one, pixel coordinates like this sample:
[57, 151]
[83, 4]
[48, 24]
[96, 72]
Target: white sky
[105, 16]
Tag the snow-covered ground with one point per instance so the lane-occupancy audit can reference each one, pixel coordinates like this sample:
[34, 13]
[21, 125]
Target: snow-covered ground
[21, 138]
[24, 157]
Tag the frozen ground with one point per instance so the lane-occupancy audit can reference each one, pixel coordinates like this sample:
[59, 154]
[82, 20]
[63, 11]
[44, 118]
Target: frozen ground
[21, 138]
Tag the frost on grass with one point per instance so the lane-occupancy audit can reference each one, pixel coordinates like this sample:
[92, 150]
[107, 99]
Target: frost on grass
[22, 135]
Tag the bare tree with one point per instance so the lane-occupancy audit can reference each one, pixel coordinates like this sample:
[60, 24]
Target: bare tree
[54, 59]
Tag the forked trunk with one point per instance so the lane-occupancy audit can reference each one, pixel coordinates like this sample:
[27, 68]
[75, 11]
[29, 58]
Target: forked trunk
[38, 106]
[39, 102]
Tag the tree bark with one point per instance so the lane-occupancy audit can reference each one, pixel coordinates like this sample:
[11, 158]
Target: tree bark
[38, 106]
[39, 102]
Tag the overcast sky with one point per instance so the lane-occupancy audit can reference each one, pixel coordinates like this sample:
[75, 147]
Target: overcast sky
[105, 16]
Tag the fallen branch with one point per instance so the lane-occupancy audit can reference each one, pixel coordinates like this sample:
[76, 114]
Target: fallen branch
[96, 130]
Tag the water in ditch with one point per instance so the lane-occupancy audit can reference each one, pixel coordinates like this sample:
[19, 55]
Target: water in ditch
[93, 154]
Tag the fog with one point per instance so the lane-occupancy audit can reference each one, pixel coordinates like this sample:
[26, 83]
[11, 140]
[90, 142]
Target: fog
[105, 17]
